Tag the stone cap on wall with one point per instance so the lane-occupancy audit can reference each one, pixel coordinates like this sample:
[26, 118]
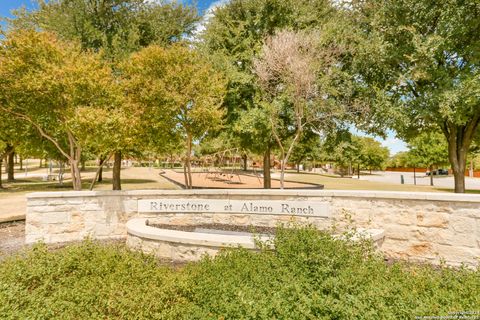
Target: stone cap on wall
[369, 194]
[139, 228]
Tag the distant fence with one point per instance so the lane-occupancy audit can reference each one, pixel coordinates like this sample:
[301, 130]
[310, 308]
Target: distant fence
[419, 170]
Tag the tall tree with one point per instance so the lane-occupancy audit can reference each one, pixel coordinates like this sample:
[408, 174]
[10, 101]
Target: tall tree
[233, 37]
[47, 83]
[294, 72]
[372, 154]
[425, 57]
[115, 28]
[429, 149]
[180, 91]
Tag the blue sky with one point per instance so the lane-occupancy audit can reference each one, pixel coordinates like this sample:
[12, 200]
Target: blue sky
[395, 145]
[7, 5]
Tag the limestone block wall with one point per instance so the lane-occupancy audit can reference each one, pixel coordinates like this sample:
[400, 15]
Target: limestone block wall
[418, 226]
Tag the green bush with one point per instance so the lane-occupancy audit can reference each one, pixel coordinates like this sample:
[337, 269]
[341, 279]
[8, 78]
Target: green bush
[310, 275]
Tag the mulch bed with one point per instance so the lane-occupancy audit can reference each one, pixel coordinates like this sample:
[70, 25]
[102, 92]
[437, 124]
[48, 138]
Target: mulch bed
[215, 226]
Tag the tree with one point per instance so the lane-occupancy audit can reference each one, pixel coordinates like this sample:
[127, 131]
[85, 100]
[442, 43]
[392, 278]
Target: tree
[180, 91]
[348, 150]
[372, 154]
[114, 28]
[48, 83]
[12, 137]
[233, 38]
[308, 148]
[428, 149]
[296, 73]
[425, 58]
[343, 149]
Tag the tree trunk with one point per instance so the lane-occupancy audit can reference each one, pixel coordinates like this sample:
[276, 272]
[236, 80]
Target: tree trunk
[267, 181]
[459, 140]
[117, 167]
[358, 171]
[21, 163]
[459, 177]
[185, 175]
[83, 165]
[457, 153]
[100, 171]
[414, 176]
[298, 167]
[245, 158]
[11, 166]
[9, 157]
[76, 177]
[40, 165]
[431, 176]
[188, 165]
[1, 163]
[282, 172]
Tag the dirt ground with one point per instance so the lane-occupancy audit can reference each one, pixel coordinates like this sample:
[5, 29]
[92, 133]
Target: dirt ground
[231, 180]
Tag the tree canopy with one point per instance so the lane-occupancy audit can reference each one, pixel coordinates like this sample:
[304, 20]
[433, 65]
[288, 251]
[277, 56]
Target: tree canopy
[50, 85]
[425, 58]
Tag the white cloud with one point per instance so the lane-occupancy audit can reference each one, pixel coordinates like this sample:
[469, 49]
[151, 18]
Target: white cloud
[394, 144]
[209, 13]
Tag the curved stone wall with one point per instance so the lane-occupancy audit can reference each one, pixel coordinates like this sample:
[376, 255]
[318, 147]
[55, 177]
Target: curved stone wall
[417, 226]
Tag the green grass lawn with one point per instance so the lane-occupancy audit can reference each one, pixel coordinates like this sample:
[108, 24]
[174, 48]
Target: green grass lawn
[149, 178]
[310, 275]
[333, 183]
[131, 180]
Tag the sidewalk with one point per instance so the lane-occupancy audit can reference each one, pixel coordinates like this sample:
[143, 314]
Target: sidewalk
[13, 207]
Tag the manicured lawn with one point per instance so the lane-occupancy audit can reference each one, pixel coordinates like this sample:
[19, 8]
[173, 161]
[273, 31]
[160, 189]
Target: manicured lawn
[334, 183]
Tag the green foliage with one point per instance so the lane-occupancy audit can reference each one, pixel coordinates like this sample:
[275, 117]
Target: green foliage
[310, 275]
[372, 154]
[233, 37]
[400, 160]
[424, 58]
[178, 89]
[428, 149]
[345, 149]
[179, 92]
[48, 84]
[118, 27]
[86, 281]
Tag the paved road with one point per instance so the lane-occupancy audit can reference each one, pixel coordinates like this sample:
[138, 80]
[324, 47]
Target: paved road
[422, 179]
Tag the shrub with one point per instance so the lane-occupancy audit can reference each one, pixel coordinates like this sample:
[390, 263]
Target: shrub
[310, 275]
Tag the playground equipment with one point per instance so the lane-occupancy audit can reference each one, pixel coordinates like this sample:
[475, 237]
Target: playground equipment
[221, 166]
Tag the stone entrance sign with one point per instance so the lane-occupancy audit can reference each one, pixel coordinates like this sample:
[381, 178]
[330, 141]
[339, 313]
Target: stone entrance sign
[273, 207]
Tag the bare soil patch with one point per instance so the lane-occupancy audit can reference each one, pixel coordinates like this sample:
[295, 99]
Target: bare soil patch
[231, 180]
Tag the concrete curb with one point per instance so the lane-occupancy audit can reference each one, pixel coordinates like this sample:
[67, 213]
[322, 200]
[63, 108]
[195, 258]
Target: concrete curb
[12, 218]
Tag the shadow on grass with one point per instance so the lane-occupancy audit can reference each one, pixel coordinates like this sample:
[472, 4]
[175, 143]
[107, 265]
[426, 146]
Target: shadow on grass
[124, 181]
[37, 185]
